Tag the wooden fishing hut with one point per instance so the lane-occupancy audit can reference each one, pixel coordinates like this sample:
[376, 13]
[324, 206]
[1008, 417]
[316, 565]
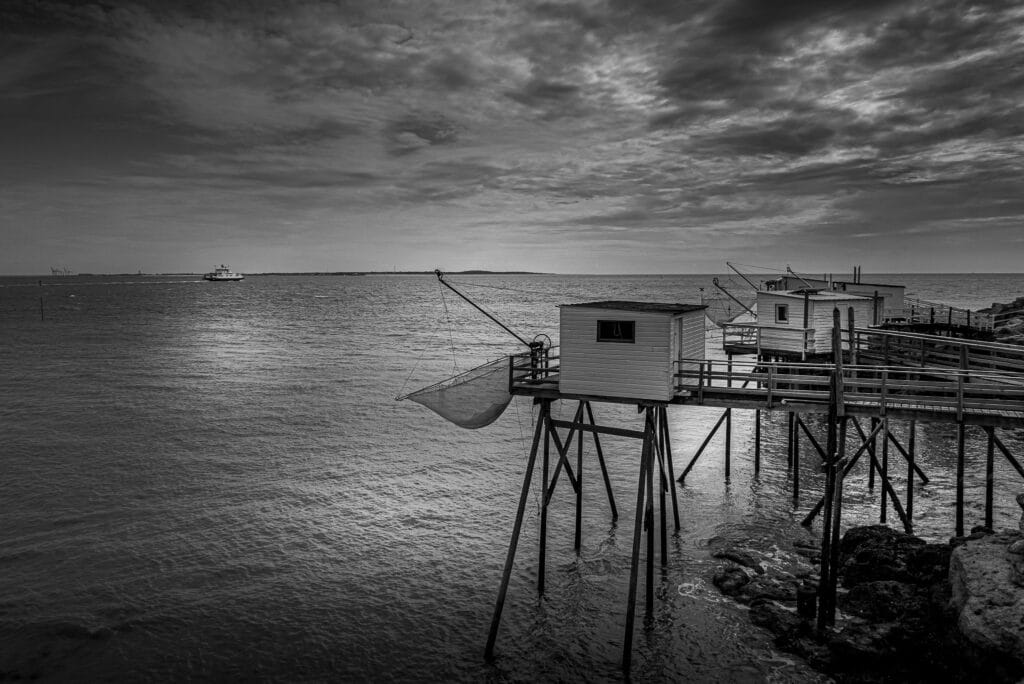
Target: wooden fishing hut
[795, 324]
[891, 297]
[628, 350]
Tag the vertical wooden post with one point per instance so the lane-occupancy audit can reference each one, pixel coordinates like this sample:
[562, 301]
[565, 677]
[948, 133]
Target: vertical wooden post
[884, 472]
[826, 544]
[662, 484]
[960, 479]
[796, 458]
[579, 482]
[789, 438]
[542, 554]
[757, 441]
[728, 442]
[545, 409]
[600, 460]
[671, 468]
[649, 521]
[910, 473]
[989, 475]
[837, 519]
[872, 454]
[627, 642]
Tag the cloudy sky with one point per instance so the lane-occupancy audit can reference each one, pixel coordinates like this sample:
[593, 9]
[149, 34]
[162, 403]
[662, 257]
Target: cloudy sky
[616, 136]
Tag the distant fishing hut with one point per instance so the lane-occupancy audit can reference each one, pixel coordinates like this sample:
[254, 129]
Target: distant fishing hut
[890, 297]
[628, 350]
[795, 323]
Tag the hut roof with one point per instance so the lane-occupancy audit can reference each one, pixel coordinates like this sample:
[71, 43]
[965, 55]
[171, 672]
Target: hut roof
[817, 295]
[646, 307]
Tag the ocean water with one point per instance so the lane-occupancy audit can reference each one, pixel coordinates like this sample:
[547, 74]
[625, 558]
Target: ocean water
[214, 482]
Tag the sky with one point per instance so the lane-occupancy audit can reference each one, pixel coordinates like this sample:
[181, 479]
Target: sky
[614, 136]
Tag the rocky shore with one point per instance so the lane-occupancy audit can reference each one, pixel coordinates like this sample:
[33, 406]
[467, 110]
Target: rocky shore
[908, 610]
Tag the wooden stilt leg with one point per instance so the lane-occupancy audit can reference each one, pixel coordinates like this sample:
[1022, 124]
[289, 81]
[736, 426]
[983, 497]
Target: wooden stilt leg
[911, 443]
[604, 468]
[627, 645]
[516, 529]
[757, 441]
[989, 475]
[671, 470]
[789, 438]
[728, 443]
[796, 458]
[649, 521]
[885, 470]
[542, 556]
[579, 484]
[960, 479]
[873, 454]
[662, 486]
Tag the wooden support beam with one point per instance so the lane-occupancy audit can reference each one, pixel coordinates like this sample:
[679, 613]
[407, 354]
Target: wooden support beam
[649, 520]
[600, 459]
[1006, 453]
[542, 554]
[703, 446]
[911, 466]
[601, 429]
[817, 447]
[884, 471]
[989, 476]
[852, 461]
[728, 442]
[757, 442]
[671, 470]
[578, 538]
[634, 568]
[516, 529]
[960, 427]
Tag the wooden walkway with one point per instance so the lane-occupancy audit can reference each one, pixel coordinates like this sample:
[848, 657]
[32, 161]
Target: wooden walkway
[925, 393]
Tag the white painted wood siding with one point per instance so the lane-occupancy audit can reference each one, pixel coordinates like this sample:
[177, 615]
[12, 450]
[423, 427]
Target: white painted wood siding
[690, 328]
[822, 321]
[641, 370]
[766, 302]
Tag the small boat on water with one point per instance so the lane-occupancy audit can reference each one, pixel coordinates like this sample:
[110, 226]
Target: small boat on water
[222, 272]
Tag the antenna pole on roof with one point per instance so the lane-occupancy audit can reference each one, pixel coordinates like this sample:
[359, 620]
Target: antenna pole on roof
[741, 275]
[795, 275]
[440, 277]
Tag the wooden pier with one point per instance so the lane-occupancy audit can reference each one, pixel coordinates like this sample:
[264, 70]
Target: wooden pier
[872, 378]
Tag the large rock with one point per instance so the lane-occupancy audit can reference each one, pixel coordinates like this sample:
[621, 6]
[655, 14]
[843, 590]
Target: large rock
[988, 604]
[877, 553]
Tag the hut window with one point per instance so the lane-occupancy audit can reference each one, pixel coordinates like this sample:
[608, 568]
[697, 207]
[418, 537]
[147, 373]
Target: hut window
[782, 313]
[616, 331]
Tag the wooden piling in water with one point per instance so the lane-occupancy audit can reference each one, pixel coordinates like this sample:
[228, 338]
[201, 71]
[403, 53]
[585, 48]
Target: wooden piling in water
[960, 478]
[510, 557]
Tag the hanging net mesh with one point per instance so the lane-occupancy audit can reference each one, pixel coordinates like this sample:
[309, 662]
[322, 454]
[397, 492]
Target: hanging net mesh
[724, 310]
[473, 399]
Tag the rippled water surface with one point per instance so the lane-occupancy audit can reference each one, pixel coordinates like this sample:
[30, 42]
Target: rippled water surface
[212, 481]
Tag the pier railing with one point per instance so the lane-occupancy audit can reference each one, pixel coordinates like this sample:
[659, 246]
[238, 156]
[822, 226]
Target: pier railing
[886, 347]
[752, 338]
[942, 393]
[533, 368]
[920, 311]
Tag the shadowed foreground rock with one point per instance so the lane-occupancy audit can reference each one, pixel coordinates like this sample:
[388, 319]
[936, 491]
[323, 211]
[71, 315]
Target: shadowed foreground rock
[909, 611]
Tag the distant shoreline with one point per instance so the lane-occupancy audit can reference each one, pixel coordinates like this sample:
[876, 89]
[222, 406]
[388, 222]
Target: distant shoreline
[291, 273]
